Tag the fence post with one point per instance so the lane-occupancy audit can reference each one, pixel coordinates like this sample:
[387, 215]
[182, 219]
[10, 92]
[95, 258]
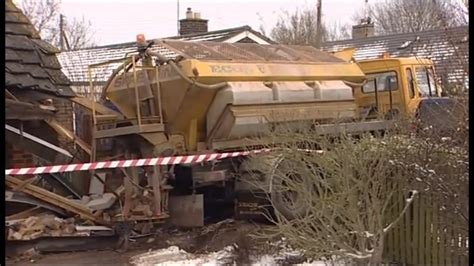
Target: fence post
[401, 230]
[416, 232]
[422, 235]
[408, 235]
[435, 234]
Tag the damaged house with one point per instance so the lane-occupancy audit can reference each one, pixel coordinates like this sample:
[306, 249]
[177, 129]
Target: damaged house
[36, 95]
[38, 132]
[38, 112]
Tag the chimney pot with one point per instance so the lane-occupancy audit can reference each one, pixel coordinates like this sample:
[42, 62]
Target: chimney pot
[189, 13]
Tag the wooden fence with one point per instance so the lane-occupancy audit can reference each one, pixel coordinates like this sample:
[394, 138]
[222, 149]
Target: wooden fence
[421, 239]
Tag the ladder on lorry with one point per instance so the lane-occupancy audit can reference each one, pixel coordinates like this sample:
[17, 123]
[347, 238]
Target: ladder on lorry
[148, 118]
[108, 124]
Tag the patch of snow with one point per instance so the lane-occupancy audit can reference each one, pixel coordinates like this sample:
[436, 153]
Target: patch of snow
[175, 256]
[264, 260]
[316, 263]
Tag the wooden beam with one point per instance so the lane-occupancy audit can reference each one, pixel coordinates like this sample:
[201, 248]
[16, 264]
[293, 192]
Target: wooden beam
[25, 214]
[25, 111]
[128, 188]
[156, 182]
[99, 108]
[120, 131]
[70, 135]
[24, 183]
[55, 199]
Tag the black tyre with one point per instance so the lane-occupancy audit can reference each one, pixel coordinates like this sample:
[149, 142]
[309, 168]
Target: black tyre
[290, 181]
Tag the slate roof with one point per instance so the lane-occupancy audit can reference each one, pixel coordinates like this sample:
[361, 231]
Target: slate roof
[221, 35]
[448, 48]
[30, 63]
[75, 63]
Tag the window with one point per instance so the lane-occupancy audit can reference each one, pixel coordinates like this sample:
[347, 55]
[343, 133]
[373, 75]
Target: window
[384, 81]
[369, 86]
[426, 82]
[411, 86]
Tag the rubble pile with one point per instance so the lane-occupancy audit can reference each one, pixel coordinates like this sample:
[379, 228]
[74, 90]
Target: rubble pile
[107, 206]
[43, 225]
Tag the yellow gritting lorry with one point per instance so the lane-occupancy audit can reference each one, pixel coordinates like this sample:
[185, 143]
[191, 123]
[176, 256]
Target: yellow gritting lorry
[220, 97]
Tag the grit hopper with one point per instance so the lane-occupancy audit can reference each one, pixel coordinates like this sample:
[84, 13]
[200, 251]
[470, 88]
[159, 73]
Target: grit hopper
[217, 96]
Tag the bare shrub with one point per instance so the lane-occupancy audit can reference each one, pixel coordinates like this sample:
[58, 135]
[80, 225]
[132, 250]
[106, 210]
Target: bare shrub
[439, 163]
[336, 196]
[333, 202]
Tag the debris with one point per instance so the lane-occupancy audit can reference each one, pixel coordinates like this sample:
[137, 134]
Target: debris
[102, 202]
[85, 199]
[216, 226]
[92, 228]
[144, 227]
[38, 226]
[25, 214]
[97, 186]
[55, 199]
[143, 209]
[49, 225]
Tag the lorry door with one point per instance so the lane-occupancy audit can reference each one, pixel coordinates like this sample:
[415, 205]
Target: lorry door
[412, 98]
[382, 92]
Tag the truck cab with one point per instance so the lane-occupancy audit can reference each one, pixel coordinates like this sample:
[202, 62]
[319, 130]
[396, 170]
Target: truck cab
[395, 86]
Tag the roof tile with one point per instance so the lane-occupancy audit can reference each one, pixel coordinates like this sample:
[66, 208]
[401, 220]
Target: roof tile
[31, 63]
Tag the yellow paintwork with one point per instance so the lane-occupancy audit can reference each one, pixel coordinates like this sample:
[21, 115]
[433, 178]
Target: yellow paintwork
[400, 97]
[345, 54]
[218, 71]
[182, 103]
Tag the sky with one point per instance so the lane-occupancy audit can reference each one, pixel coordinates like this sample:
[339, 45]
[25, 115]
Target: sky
[117, 21]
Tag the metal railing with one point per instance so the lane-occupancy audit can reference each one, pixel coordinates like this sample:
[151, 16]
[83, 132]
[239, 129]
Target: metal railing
[139, 120]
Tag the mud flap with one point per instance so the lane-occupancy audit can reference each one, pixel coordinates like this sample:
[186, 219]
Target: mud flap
[186, 211]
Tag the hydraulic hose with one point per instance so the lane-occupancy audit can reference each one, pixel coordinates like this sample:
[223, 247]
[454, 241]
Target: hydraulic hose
[162, 59]
[216, 86]
[116, 71]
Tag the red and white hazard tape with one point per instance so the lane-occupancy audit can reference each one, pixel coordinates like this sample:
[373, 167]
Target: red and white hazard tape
[189, 159]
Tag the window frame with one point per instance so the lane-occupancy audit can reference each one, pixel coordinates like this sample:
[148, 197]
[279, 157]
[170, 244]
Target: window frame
[375, 84]
[411, 83]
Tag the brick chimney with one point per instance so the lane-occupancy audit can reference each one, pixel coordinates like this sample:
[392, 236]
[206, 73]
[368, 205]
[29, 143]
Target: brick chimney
[193, 23]
[363, 30]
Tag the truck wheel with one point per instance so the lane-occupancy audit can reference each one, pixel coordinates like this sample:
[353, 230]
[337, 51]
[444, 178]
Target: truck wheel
[286, 200]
